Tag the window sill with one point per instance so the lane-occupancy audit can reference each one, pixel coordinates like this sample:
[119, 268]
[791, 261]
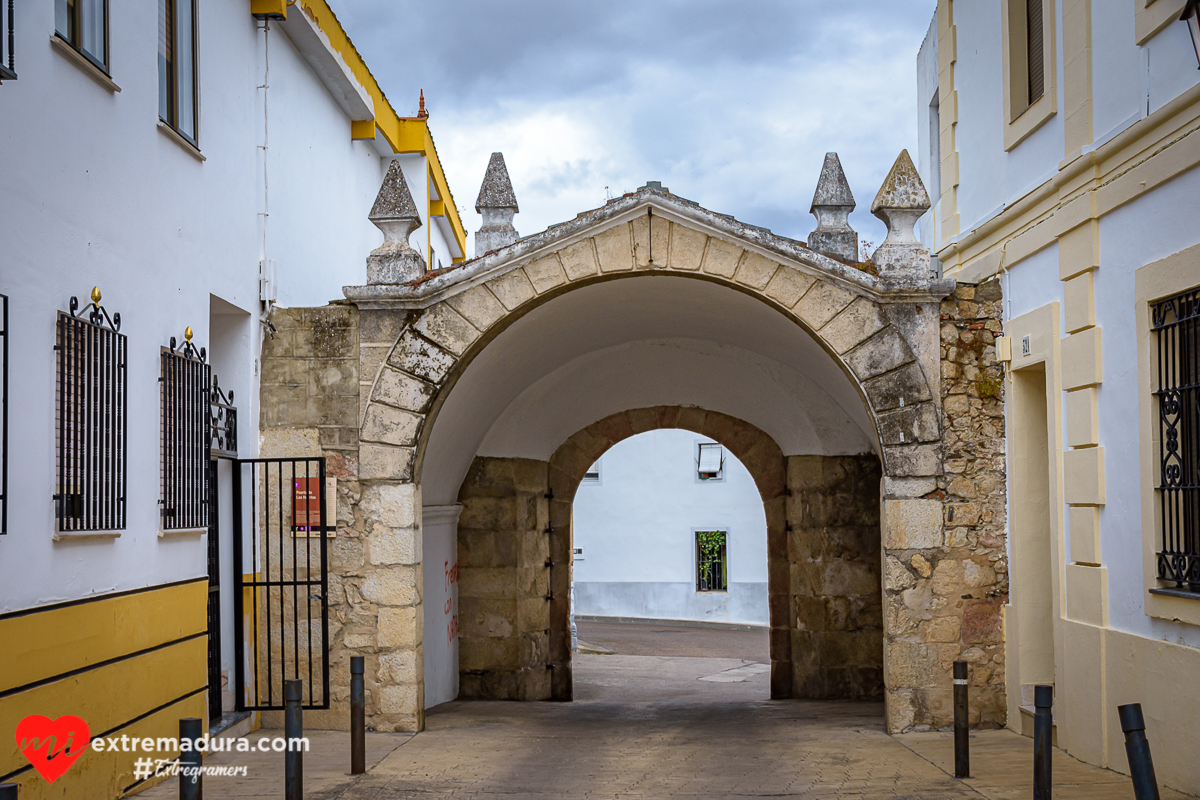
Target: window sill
[182, 532]
[1177, 593]
[60, 536]
[1030, 119]
[175, 137]
[90, 69]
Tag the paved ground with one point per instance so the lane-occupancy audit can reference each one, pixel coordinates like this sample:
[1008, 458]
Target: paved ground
[663, 640]
[666, 726]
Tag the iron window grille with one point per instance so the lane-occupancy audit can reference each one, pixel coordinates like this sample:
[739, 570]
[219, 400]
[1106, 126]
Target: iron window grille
[92, 410]
[222, 417]
[3, 414]
[178, 70]
[8, 65]
[712, 569]
[83, 24]
[1175, 320]
[186, 432]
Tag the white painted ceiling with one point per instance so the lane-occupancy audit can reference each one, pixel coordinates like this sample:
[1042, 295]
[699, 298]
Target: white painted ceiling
[635, 342]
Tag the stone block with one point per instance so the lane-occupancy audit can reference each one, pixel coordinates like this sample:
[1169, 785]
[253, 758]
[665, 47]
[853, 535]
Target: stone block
[447, 328]
[977, 575]
[402, 391]
[545, 274]
[908, 487]
[478, 306]
[755, 271]
[853, 324]
[912, 524]
[947, 578]
[394, 546]
[381, 326]
[490, 513]
[911, 461]
[345, 554]
[901, 387]
[897, 577]
[981, 623]
[911, 664]
[390, 425]
[384, 462]
[579, 260]
[400, 627]
[512, 289]
[614, 249]
[289, 443]
[392, 586]
[399, 700]
[421, 358]
[901, 711]
[392, 505]
[883, 352]
[909, 425]
[788, 286]
[822, 303]
[721, 258]
[687, 247]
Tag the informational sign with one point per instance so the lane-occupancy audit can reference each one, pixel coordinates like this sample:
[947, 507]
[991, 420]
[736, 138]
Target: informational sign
[306, 505]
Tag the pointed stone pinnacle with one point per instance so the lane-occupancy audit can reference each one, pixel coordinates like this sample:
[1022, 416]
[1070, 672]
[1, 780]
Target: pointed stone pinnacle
[394, 213]
[900, 203]
[498, 204]
[394, 201]
[902, 188]
[496, 191]
[831, 205]
[832, 188]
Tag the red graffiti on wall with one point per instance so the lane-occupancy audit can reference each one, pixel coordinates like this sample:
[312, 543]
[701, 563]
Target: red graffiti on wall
[452, 622]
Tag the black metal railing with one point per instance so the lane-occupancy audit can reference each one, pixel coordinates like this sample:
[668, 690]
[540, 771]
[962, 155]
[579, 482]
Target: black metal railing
[92, 410]
[3, 414]
[1176, 320]
[711, 569]
[8, 43]
[284, 526]
[214, 598]
[222, 417]
[185, 436]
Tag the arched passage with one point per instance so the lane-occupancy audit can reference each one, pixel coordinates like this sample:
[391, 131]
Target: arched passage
[816, 354]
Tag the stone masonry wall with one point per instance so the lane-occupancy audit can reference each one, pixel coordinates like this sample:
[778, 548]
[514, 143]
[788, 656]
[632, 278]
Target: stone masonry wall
[946, 571]
[833, 554]
[503, 581]
[310, 407]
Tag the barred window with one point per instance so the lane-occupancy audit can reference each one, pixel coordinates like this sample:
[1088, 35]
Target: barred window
[186, 437]
[92, 412]
[8, 43]
[712, 571]
[1175, 322]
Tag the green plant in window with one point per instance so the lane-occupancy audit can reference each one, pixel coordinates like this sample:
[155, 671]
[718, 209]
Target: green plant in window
[711, 546]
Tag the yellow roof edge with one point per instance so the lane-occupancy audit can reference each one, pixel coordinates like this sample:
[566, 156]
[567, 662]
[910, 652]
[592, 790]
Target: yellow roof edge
[403, 134]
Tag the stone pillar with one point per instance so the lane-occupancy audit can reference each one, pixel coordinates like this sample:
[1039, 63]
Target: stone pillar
[833, 551]
[504, 581]
[901, 201]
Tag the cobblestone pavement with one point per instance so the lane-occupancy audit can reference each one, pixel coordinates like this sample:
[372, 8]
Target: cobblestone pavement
[664, 727]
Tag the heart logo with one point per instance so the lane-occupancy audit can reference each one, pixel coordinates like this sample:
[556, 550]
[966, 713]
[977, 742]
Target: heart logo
[52, 745]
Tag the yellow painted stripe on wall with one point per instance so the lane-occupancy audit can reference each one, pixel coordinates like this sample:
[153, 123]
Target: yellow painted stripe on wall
[103, 776]
[107, 696]
[42, 644]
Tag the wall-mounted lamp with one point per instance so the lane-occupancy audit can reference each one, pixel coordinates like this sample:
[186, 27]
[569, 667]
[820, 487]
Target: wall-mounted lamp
[1191, 15]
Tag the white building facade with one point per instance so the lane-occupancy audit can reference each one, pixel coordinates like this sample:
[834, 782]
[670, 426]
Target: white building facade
[1061, 138]
[641, 515]
[197, 191]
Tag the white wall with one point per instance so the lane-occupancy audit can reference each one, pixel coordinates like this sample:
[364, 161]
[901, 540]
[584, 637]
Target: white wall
[1159, 223]
[636, 528]
[439, 576]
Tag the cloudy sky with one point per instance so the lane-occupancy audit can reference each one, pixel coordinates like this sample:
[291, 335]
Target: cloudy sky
[731, 103]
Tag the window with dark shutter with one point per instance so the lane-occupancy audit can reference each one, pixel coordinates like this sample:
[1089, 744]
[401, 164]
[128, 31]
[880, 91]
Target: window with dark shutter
[1035, 50]
[186, 437]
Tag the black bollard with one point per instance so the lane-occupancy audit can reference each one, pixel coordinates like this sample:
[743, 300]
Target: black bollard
[293, 729]
[1043, 746]
[8, 791]
[962, 725]
[358, 718]
[191, 783]
[1137, 748]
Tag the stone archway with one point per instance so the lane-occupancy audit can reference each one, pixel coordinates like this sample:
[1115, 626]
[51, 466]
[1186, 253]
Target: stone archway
[415, 341]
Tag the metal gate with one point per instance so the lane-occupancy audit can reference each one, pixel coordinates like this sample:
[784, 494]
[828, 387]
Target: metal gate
[281, 607]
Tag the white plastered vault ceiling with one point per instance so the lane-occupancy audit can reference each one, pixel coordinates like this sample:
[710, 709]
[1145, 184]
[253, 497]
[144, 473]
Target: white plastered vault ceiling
[634, 342]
